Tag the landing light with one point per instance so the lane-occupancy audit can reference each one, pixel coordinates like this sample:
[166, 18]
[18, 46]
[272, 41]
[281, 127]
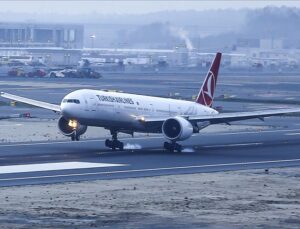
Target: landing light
[139, 118]
[73, 124]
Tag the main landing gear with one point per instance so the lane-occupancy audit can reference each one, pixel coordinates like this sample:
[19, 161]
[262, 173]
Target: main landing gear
[173, 146]
[114, 143]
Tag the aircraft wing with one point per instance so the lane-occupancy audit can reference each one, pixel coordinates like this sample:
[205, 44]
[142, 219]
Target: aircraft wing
[225, 117]
[48, 106]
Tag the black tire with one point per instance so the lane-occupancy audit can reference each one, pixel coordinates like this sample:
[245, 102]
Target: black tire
[108, 143]
[121, 146]
[167, 145]
[52, 75]
[178, 148]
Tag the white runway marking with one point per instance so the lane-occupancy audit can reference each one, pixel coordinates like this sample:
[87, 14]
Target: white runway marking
[151, 170]
[291, 134]
[238, 144]
[10, 125]
[53, 166]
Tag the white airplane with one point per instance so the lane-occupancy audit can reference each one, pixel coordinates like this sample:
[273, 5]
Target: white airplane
[177, 120]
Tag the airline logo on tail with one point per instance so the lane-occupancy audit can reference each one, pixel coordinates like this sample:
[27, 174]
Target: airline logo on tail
[206, 94]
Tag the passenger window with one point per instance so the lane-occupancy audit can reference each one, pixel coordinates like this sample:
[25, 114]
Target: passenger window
[73, 101]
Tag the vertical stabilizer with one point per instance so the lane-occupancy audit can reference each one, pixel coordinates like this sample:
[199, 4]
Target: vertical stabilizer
[207, 91]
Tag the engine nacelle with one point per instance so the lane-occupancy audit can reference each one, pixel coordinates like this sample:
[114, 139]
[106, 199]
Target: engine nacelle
[177, 129]
[70, 127]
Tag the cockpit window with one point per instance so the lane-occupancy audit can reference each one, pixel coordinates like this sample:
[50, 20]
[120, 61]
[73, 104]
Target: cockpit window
[71, 101]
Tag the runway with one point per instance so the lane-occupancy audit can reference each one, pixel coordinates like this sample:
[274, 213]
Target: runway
[65, 161]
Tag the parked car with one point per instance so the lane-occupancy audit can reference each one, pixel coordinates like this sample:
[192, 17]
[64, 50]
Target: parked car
[37, 73]
[16, 72]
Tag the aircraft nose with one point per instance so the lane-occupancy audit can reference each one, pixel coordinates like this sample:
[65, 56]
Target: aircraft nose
[70, 107]
[66, 110]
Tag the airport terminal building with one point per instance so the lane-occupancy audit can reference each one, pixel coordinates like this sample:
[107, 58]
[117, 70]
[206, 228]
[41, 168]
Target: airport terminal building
[54, 43]
[69, 36]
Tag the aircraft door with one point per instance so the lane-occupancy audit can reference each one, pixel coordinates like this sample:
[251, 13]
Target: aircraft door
[86, 104]
[92, 103]
[117, 109]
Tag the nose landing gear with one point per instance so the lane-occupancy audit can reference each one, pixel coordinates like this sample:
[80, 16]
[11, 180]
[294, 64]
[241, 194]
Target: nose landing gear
[75, 137]
[114, 143]
[173, 146]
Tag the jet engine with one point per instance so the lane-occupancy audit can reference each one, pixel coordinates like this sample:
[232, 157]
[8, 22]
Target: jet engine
[177, 129]
[71, 127]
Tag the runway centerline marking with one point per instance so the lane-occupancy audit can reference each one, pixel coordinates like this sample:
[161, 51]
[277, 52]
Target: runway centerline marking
[151, 170]
[53, 167]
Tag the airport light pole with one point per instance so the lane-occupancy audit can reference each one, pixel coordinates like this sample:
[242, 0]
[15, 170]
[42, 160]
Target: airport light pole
[93, 36]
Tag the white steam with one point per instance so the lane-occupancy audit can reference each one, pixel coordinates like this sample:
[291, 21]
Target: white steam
[188, 150]
[182, 34]
[132, 146]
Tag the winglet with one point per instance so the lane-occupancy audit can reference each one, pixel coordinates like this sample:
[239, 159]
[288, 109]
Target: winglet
[207, 91]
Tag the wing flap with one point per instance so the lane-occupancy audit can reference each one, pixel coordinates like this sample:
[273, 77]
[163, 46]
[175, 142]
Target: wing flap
[48, 106]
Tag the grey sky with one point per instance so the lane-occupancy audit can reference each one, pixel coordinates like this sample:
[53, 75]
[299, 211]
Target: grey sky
[122, 7]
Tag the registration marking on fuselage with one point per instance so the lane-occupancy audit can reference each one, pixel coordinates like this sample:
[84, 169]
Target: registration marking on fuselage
[53, 167]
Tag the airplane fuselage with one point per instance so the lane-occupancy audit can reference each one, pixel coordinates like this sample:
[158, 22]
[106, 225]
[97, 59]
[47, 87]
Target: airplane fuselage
[123, 110]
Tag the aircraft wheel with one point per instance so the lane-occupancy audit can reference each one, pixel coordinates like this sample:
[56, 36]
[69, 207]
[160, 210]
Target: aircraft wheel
[168, 146]
[115, 144]
[118, 145]
[173, 147]
[178, 147]
[121, 145]
[108, 143]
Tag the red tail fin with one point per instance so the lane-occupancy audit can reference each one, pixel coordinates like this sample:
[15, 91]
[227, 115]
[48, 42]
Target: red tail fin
[207, 91]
